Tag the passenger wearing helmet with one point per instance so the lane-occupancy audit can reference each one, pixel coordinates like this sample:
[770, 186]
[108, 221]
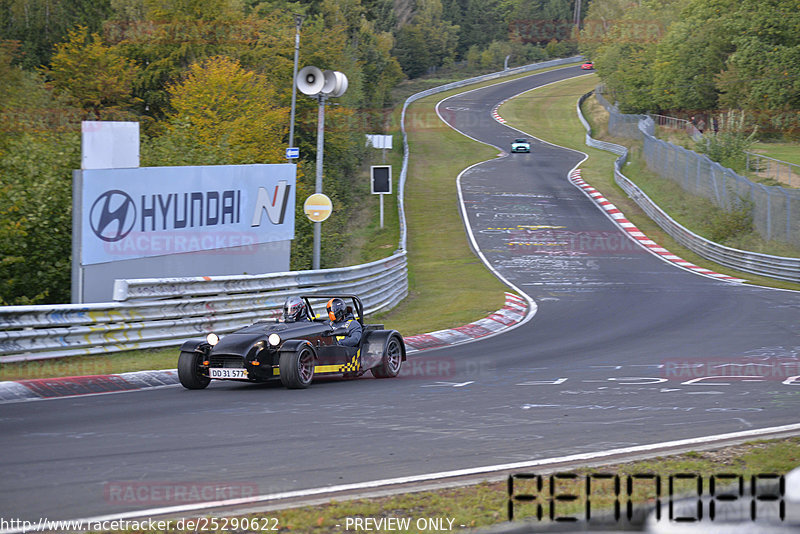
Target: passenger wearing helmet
[294, 310]
[346, 329]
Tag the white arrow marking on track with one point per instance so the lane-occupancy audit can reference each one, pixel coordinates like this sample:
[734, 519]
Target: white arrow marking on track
[449, 384]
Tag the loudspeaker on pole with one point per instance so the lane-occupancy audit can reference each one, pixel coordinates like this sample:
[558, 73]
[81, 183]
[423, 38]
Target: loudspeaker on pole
[310, 80]
[335, 83]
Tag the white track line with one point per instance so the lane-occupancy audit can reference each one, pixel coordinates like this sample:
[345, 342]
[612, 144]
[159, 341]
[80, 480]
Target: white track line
[485, 470]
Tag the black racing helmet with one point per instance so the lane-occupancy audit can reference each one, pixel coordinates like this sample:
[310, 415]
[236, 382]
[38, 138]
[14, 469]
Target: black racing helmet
[294, 309]
[336, 309]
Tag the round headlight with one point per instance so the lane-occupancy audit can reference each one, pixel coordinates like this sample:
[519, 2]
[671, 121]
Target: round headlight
[212, 339]
[274, 340]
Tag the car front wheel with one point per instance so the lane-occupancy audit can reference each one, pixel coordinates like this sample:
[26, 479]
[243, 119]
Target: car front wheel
[297, 368]
[189, 371]
[391, 361]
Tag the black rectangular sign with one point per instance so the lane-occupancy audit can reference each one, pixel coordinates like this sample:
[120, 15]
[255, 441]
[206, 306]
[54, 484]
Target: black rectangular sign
[381, 179]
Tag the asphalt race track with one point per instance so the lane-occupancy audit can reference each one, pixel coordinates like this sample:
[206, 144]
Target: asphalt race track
[620, 353]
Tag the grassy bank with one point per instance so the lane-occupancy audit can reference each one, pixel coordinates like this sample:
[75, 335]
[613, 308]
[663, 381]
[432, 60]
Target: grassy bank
[789, 152]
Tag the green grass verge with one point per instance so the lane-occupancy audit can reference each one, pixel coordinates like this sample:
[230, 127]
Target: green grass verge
[485, 504]
[789, 152]
[549, 113]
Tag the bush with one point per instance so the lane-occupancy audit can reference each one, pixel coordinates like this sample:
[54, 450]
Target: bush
[728, 146]
[726, 225]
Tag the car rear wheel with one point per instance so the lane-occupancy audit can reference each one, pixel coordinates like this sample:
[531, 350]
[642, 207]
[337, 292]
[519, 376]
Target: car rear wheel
[391, 361]
[297, 368]
[189, 371]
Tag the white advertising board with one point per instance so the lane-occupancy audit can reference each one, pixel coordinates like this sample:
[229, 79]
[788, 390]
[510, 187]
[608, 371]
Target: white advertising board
[157, 211]
[109, 144]
[379, 141]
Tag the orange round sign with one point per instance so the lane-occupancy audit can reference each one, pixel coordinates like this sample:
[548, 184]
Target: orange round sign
[318, 207]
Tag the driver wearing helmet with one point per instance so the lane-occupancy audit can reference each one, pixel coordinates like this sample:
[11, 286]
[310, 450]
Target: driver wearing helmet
[294, 310]
[347, 329]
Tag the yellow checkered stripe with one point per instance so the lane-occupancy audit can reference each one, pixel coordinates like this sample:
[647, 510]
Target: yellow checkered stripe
[352, 366]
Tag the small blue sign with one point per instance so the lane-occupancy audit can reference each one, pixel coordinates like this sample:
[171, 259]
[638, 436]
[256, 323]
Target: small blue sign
[292, 153]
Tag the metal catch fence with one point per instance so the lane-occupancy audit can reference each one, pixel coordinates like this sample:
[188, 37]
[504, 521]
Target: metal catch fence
[775, 210]
[781, 171]
[778, 267]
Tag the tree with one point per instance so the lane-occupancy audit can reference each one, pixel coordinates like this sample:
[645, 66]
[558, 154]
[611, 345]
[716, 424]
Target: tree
[164, 37]
[764, 71]
[39, 147]
[428, 41]
[38, 25]
[222, 114]
[480, 22]
[690, 55]
[623, 41]
[495, 54]
[98, 79]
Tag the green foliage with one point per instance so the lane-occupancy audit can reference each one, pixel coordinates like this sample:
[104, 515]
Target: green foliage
[728, 147]
[165, 37]
[428, 41]
[223, 114]
[93, 75]
[37, 170]
[39, 147]
[690, 55]
[707, 54]
[728, 225]
[495, 54]
[622, 40]
[480, 22]
[764, 72]
[38, 25]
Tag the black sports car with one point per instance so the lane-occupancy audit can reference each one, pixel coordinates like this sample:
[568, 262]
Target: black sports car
[294, 351]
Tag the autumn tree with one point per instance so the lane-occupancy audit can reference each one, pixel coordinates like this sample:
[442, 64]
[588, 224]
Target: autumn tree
[94, 75]
[165, 37]
[222, 114]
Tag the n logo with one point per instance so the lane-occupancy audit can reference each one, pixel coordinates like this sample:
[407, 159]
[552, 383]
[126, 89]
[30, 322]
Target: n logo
[275, 207]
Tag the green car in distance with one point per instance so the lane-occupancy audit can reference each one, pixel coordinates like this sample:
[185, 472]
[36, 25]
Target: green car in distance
[520, 145]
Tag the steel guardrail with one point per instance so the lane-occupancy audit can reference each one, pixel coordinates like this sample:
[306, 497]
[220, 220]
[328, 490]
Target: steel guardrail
[151, 317]
[153, 313]
[778, 267]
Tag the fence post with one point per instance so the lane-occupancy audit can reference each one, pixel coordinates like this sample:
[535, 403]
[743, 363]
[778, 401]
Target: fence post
[769, 210]
[687, 171]
[699, 173]
[788, 214]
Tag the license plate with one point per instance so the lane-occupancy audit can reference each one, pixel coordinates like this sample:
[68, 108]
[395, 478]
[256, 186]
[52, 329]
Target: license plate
[215, 372]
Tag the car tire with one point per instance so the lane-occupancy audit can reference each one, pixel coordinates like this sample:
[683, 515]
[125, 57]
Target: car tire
[391, 361]
[297, 368]
[189, 371]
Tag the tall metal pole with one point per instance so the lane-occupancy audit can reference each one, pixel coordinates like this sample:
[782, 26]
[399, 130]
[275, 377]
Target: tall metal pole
[318, 185]
[298, 21]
